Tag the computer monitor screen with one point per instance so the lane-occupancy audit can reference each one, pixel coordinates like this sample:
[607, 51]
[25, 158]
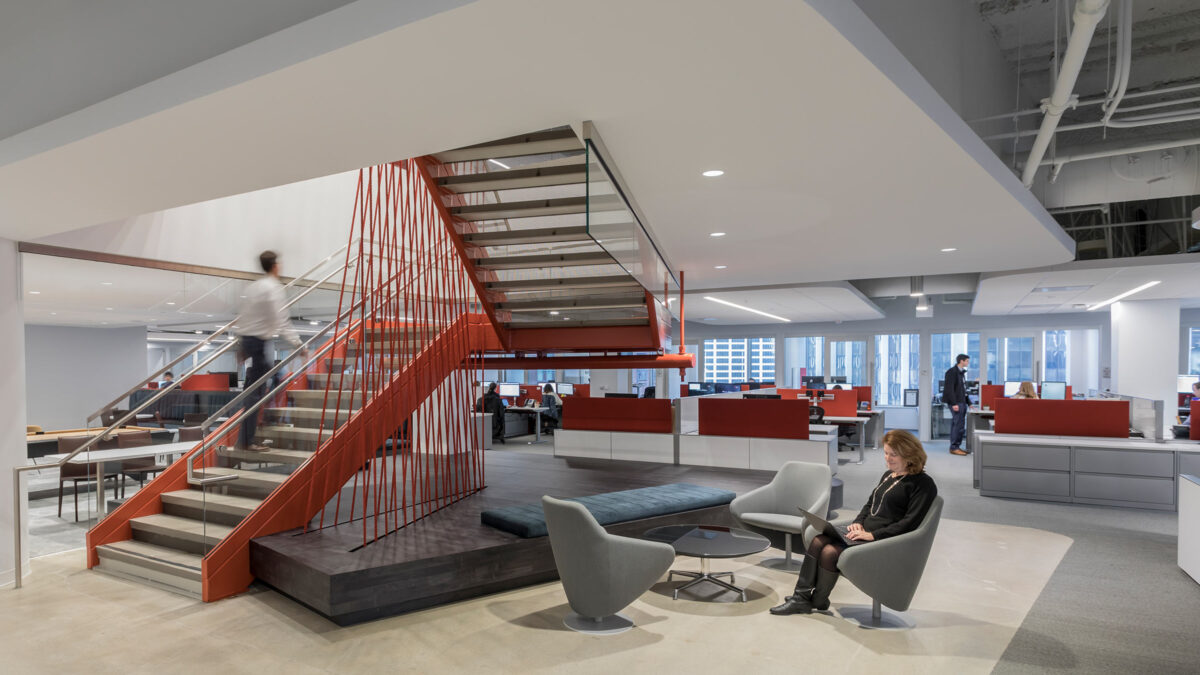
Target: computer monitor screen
[566, 388]
[1010, 388]
[810, 380]
[510, 389]
[847, 387]
[838, 379]
[727, 388]
[1054, 390]
[694, 387]
[1186, 382]
[816, 385]
[620, 396]
[761, 396]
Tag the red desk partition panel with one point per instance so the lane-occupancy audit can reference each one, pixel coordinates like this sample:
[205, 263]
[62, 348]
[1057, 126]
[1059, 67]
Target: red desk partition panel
[754, 418]
[864, 395]
[650, 415]
[789, 393]
[988, 393]
[1194, 434]
[207, 382]
[530, 391]
[1109, 419]
[583, 390]
[840, 403]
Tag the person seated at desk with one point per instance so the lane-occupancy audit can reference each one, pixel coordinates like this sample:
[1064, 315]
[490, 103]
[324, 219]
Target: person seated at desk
[897, 505]
[553, 404]
[491, 402]
[1187, 421]
[650, 391]
[166, 380]
[1026, 390]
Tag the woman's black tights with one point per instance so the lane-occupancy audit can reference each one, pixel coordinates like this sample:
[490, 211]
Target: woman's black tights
[826, 552]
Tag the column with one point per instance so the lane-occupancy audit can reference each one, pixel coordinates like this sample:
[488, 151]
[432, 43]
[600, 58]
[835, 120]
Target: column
[604, 381]
[12, 403]
[1145, 350]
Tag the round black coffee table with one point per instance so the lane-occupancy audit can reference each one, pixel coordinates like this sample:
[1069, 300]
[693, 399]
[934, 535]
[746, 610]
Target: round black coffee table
[707, 542]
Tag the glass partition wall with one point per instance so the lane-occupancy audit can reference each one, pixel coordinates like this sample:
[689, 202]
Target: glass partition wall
[897, 367]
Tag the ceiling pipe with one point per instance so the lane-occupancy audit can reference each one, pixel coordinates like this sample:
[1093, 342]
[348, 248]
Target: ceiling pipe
[1115, 152]
[1087, 16]
[1124, 58]
[1097, 101]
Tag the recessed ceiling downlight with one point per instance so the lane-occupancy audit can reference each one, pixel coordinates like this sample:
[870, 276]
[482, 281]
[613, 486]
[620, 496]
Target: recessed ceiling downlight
[719, 267]
[949, 250]
[713, 173]
[716, 234]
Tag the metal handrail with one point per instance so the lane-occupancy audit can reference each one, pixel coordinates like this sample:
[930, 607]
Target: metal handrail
[220, 331]
[132, 414]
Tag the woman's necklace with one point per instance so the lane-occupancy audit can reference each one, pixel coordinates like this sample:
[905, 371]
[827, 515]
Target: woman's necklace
[875, 493]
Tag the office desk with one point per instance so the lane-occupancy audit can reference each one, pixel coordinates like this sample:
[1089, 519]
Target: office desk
[861, 424]
[978, 420]
[43, 444]
[537, 422]
[169, 451]
[875, 426]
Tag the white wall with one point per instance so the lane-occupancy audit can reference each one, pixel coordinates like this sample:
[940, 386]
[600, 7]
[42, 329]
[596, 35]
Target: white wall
[12, 400]
[303, 222]
[71, 372]
[1145, 345]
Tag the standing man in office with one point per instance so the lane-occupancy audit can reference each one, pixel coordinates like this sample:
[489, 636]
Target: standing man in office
[261, 319]
[954, 394]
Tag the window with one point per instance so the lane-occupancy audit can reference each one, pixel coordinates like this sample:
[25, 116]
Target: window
[944, 347]
[849, 359]
[749, 358]
[897, 367]
[642, 378]
[1194, 351]
[1010, 359]
[803, 356]
[1056, 353]
[577, 376]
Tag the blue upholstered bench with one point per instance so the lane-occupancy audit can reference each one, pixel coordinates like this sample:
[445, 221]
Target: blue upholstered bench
[527, 520]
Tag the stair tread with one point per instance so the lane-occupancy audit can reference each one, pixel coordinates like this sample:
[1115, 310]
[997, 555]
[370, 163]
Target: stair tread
[164, 554]
[243, 473]
[303, 411]
[212, 498]
[163, 521]
[274, 456]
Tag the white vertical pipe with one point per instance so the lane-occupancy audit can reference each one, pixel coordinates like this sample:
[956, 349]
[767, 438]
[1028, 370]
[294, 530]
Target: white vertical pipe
[1087, 16]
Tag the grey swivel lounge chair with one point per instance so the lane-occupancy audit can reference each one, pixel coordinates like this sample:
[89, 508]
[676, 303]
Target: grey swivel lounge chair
[774, 505]
[888, 571]
[601, 572]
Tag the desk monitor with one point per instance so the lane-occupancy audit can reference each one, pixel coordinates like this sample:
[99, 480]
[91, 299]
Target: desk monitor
[566, 388]
[837, 379]
[762, 396]
[1186, 382]
[846, 387]
[1054, 390]
[726, 388]
[1011, 388]
[510, 389]
[811, 381]
[620, 396]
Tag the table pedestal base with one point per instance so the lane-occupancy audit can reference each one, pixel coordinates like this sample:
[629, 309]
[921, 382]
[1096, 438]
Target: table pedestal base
[705, 575]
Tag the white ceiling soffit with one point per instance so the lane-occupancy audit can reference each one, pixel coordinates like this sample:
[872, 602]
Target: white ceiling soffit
[841, 161]
[70, 292]
[1074, 287]
[799, 304]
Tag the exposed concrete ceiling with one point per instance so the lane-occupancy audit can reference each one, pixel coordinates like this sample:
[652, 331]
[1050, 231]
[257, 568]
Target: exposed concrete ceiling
[818, 183]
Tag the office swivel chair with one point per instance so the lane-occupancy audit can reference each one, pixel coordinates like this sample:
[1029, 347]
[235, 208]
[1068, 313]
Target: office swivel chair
[816, 414]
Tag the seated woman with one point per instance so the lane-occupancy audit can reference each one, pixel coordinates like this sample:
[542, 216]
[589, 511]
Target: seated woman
[553, 403]
[1026, 390]
[896, 505]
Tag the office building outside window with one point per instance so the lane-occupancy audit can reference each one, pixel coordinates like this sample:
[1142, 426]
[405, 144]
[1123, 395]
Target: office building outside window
[1194, 351]
[848, 358]
[897, 367]
[1056, 355]
[803, 356]
[734, 360]
[1010, 359]
[944, 347]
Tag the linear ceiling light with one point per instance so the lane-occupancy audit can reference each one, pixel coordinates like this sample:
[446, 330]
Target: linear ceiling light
[1126, 294]
[747, 309]
[916, 287]
[502, 165]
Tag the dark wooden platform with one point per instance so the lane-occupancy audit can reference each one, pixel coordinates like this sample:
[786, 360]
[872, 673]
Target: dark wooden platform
[450, 555]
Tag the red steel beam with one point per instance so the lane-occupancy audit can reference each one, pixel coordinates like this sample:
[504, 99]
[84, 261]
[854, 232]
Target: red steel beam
[599, 362]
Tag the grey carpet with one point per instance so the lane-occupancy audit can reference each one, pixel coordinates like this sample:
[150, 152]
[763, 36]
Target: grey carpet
[1117, 602]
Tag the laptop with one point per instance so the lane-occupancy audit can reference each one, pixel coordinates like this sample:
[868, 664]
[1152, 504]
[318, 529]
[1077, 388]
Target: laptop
[827, 528]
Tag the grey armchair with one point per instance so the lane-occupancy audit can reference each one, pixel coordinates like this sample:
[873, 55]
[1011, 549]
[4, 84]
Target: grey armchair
[889, 571]
[601, 572]
[774, 505]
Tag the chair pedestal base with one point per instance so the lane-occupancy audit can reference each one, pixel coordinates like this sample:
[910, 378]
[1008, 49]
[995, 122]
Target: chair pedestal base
[874, 617]
[782, 564]
[605, 625]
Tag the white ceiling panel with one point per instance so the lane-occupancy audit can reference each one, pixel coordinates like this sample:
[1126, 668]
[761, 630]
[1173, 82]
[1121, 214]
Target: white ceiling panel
[830, 302]
[840, 161]
[1091, 282]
